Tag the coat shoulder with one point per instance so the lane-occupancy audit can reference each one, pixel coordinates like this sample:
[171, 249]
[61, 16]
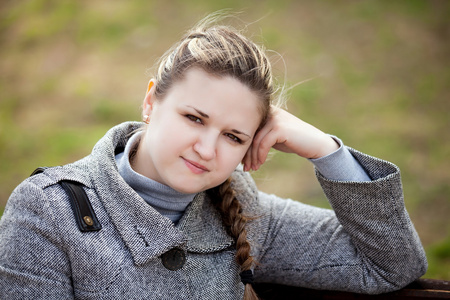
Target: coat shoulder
[244, 186]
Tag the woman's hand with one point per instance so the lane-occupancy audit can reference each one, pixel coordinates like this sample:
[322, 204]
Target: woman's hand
[287, 133]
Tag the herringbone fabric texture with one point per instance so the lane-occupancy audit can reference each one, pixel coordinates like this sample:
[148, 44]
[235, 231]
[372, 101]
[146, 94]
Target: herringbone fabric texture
[367, 244]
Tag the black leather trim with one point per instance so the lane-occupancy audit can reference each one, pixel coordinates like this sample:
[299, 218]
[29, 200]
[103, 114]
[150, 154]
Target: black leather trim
[38, 170]
[82, 209]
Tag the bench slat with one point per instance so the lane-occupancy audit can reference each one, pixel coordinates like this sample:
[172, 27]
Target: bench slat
[425, 289]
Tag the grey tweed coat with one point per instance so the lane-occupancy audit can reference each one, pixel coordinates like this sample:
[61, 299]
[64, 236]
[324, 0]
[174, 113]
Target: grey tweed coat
[367, 244]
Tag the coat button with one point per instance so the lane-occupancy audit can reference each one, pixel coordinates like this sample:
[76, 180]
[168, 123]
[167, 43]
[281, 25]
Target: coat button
[174, 259]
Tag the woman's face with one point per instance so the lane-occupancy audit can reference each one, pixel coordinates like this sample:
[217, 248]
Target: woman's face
[198, 133]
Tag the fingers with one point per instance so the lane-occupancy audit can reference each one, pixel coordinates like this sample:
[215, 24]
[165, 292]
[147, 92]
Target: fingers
[247, 160]
[257, 153]
[262, 143]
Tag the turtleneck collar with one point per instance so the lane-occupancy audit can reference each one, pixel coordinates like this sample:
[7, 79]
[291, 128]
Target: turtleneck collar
[167, 201]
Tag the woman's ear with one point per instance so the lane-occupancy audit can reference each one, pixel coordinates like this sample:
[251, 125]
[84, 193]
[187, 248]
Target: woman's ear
[147, 105]
[151, 84]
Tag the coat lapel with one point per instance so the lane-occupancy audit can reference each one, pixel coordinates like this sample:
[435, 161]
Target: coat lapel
[203, 227]
[202, 222]
[146, 233]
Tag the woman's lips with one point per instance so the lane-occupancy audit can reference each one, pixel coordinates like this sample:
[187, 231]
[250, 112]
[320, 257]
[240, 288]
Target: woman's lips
[195, 167]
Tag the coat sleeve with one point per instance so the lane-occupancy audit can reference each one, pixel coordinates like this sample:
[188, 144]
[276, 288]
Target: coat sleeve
[33, 264]
[366, 244]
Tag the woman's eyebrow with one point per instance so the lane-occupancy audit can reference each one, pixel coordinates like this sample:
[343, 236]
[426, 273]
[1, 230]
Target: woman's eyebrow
[204, 115]
[239, 132]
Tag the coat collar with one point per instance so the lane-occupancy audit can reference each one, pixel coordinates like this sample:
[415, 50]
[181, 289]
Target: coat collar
[147, 233]
[203, 227]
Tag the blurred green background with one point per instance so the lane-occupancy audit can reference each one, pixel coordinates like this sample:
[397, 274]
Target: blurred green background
[377, 75]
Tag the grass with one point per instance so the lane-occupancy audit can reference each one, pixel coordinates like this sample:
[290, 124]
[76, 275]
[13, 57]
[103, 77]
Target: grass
[438, 256]
[376, 74]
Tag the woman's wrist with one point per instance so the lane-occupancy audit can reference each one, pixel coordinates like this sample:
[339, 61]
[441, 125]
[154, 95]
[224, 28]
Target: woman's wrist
[326, 146]
[340, 165]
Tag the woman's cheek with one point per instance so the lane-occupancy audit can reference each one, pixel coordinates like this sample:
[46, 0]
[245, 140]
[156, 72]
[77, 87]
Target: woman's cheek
[235, 154]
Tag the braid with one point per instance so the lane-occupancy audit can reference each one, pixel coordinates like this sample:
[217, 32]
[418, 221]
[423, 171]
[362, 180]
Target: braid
[231, 211]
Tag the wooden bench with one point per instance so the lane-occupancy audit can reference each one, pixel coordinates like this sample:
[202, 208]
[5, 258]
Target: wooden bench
[420, 289]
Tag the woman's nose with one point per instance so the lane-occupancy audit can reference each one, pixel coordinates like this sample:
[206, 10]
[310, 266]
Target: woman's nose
[206, 146]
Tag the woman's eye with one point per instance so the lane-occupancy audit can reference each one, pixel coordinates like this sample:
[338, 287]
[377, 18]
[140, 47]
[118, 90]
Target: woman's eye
[234, 138]
[194, 119]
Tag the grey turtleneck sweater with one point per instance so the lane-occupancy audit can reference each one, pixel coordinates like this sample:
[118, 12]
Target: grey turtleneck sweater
[339, 165]
[163, 198]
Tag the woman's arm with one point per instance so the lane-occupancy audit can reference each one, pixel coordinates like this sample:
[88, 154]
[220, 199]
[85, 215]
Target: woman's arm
[368, 244]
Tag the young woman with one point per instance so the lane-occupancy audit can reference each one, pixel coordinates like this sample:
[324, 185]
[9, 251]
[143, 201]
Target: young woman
[181, 218]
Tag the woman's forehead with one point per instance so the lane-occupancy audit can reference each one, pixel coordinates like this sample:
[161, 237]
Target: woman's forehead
[218, 97]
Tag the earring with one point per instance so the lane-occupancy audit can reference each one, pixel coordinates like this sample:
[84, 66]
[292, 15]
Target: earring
[146, 119]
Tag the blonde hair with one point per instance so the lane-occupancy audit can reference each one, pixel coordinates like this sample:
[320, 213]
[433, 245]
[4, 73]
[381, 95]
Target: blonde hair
[223, 51]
